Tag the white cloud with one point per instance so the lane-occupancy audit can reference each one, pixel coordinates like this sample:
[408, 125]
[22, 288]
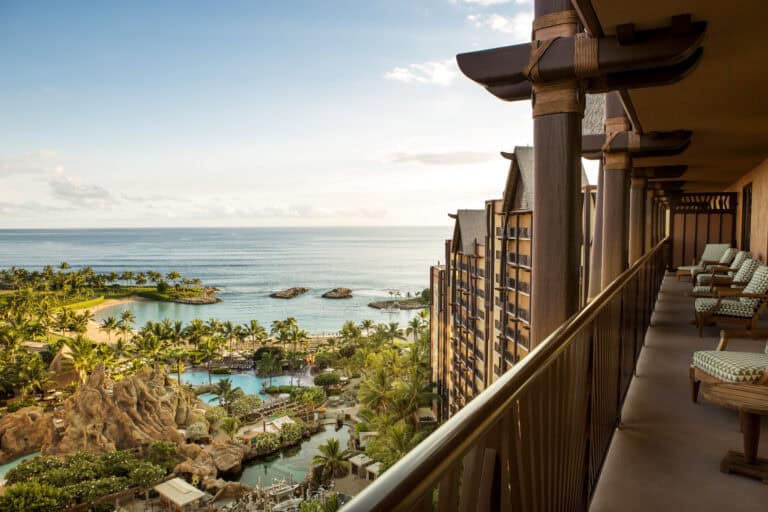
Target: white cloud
[443, 158]
[518, 26]
[38, 162]
[486, 3]
[75, 192]
[433, 72]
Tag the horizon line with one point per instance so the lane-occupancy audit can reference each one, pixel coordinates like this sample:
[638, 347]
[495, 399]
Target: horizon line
[228, 227]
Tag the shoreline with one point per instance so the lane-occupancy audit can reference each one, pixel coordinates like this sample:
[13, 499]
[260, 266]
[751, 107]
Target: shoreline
[93, 331]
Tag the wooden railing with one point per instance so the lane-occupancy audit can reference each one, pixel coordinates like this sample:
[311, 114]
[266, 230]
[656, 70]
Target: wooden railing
[536, 439]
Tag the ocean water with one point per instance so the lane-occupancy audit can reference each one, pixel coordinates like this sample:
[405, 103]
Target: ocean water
[248, 264]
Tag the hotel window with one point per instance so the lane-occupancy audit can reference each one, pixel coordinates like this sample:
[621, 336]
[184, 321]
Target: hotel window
[746, 216]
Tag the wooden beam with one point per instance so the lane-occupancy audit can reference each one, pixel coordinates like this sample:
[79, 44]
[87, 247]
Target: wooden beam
[644, 145]
[654, 49]
[659, 172]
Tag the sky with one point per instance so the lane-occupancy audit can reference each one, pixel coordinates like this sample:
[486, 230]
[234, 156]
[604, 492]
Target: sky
[251, 113]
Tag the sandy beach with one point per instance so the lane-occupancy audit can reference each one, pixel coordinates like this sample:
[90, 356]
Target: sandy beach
[94, 331]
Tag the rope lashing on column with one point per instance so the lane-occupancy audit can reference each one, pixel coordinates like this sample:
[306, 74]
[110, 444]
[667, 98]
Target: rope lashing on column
[616, 161]
[613, 126]
[563, 96]
[585, 61]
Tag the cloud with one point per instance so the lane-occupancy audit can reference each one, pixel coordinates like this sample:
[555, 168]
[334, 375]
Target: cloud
[518, 26]
[229, 209]
[75, 192]
[443, 158]
[38, 162]
[433, 72]
[486, 3]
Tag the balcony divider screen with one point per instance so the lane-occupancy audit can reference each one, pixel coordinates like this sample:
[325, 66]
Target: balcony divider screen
[697, 219]
[536, 439]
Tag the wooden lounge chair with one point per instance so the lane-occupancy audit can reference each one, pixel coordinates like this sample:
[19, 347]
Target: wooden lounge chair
[734, 306]
[710, 256]
[738, 280]
[723, 263]
[719, 366]
[718, 272]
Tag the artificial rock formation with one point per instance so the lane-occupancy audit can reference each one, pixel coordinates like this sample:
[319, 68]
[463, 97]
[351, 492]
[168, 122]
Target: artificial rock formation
[338, 293]
[220, 457]
[23, 432]
[289, 293]
[103, 415]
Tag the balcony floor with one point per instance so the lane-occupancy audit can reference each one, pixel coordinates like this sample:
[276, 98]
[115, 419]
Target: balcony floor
[666, 455]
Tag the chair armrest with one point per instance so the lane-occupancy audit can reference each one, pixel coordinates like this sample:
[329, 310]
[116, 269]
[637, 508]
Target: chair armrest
[762, 296]
[710, 262]
[718, 269]
[764, 379]
[729, 292]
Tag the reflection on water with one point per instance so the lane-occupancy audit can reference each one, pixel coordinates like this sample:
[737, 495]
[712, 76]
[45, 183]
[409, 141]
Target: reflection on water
[292, 463]
[247, 381]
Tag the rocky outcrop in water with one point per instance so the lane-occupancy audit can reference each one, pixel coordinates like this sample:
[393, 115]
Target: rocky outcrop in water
[338, 293]
[220, 457]
[104, 415]
[290, 293]
[23, 432]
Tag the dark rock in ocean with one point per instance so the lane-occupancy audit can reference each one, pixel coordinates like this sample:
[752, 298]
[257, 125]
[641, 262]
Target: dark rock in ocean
[289, 293]
[338, 293]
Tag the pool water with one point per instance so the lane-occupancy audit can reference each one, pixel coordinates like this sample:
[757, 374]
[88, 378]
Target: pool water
[292, 463]
[5, 468]
[247, 381]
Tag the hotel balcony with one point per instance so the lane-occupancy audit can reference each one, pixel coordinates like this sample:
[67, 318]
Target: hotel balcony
[537, 439]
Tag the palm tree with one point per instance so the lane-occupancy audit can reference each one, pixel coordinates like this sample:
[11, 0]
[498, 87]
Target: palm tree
[177, 357]
[256, 332]
[331, 459]
[393, 331]
[195, 331]
[82, 356]
[375, 392]
[268, 365]
[414, 327]
[127, 316]
[207, 351]
[229, 332]
[367, 325]
[33, 375]
[108, 325]
[224, 391]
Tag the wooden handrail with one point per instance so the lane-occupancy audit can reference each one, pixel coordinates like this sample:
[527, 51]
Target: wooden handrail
[406, 483]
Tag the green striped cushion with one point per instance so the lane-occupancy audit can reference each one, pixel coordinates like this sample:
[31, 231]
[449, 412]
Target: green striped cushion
[728, 307]
[731, 366]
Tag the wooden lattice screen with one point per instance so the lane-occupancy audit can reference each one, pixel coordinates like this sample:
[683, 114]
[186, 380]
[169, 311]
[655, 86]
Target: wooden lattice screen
[699, 219]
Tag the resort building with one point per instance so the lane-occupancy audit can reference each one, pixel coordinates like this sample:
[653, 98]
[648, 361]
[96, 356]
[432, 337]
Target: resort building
[480, 307]
[614, 400]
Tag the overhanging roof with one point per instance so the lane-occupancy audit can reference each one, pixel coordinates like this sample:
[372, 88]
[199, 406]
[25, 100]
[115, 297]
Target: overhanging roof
[179, 492]
[724, 100]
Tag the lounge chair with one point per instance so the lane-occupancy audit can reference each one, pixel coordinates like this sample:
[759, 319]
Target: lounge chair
[723, 263]
[716, 272]
[742, 307]
[719, 366]
[738, 280]
[711, 255]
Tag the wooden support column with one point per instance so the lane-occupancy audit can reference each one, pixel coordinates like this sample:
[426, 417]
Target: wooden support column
[649, 219]
[636, 218]
[557, 112]
[586, 244]
[597, 244]
[616, 167]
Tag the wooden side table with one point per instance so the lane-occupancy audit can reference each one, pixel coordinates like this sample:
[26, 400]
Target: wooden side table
[751, 400]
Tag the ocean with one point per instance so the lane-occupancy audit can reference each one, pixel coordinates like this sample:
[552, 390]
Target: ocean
[248, 264]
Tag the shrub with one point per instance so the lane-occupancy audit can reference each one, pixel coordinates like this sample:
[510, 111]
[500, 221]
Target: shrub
[15, 406]
[327, 379]
[221, 371]
[245, 405]
[362, 427]
[197, 430]
[283, 388]
[325, 359]
[313, 396]
[163, 287]
[266, 443]
[215, 414]
[144, 474]
[291, 433]
[163, 454]
[33, 497]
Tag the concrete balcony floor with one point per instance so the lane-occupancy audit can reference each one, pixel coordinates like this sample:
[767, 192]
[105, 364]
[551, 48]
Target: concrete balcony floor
[667, 453]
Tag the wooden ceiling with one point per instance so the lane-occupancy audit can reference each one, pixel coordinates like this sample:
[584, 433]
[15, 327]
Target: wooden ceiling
[724, 101]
